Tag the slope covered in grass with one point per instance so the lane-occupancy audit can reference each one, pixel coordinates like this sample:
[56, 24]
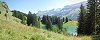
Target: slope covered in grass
[71, 24]
[16, 31]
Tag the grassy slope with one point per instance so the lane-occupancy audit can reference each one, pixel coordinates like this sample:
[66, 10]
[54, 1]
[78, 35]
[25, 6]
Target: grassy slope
[11, 29]
[16, 31]
[71, 24]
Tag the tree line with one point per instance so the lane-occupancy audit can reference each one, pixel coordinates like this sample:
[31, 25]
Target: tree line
[31, 19]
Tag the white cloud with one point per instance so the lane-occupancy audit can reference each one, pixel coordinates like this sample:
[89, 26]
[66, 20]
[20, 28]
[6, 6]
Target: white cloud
[63, 3]
[73, 1]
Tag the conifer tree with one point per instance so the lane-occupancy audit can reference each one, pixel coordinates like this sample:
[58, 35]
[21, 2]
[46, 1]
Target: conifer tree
[60, 24]
[36, 22]
[66, 20]
[49, 24]
[63, 19]
[81, 20]
[44, 19]
[29, 19]
[90, 25]
[97, 17]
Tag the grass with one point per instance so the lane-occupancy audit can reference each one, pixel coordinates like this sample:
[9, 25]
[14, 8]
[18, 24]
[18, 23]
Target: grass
[42, 26]
[71, 24]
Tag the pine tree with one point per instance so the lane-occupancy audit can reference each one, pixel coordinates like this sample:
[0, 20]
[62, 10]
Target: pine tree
[54, 20]
[39, 21]
[47, 21]
[66, 20]
[63, 19]
[81, 20]
[97, 17]
[36, 22]
[49, 24]
[90, 18]
[29, 19]
[60, 24]
[44, 19]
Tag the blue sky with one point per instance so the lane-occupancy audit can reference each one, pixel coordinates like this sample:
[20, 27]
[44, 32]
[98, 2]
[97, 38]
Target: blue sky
[38, 5]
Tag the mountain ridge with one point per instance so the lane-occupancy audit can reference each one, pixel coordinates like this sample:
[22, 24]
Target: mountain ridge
[71, 11]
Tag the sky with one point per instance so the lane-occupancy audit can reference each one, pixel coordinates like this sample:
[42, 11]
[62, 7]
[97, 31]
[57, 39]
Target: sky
[38, 5]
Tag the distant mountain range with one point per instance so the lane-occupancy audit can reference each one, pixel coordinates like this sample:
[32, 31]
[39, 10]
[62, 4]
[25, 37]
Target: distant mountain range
[71, 11]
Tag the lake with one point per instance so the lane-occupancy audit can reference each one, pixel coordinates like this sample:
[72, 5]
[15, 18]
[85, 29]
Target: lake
[72, 30]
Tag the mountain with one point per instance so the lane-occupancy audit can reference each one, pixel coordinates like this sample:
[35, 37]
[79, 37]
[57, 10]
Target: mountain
[71, 11]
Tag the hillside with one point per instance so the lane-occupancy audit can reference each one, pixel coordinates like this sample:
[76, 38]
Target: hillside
[12, 29]
[16, 31]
